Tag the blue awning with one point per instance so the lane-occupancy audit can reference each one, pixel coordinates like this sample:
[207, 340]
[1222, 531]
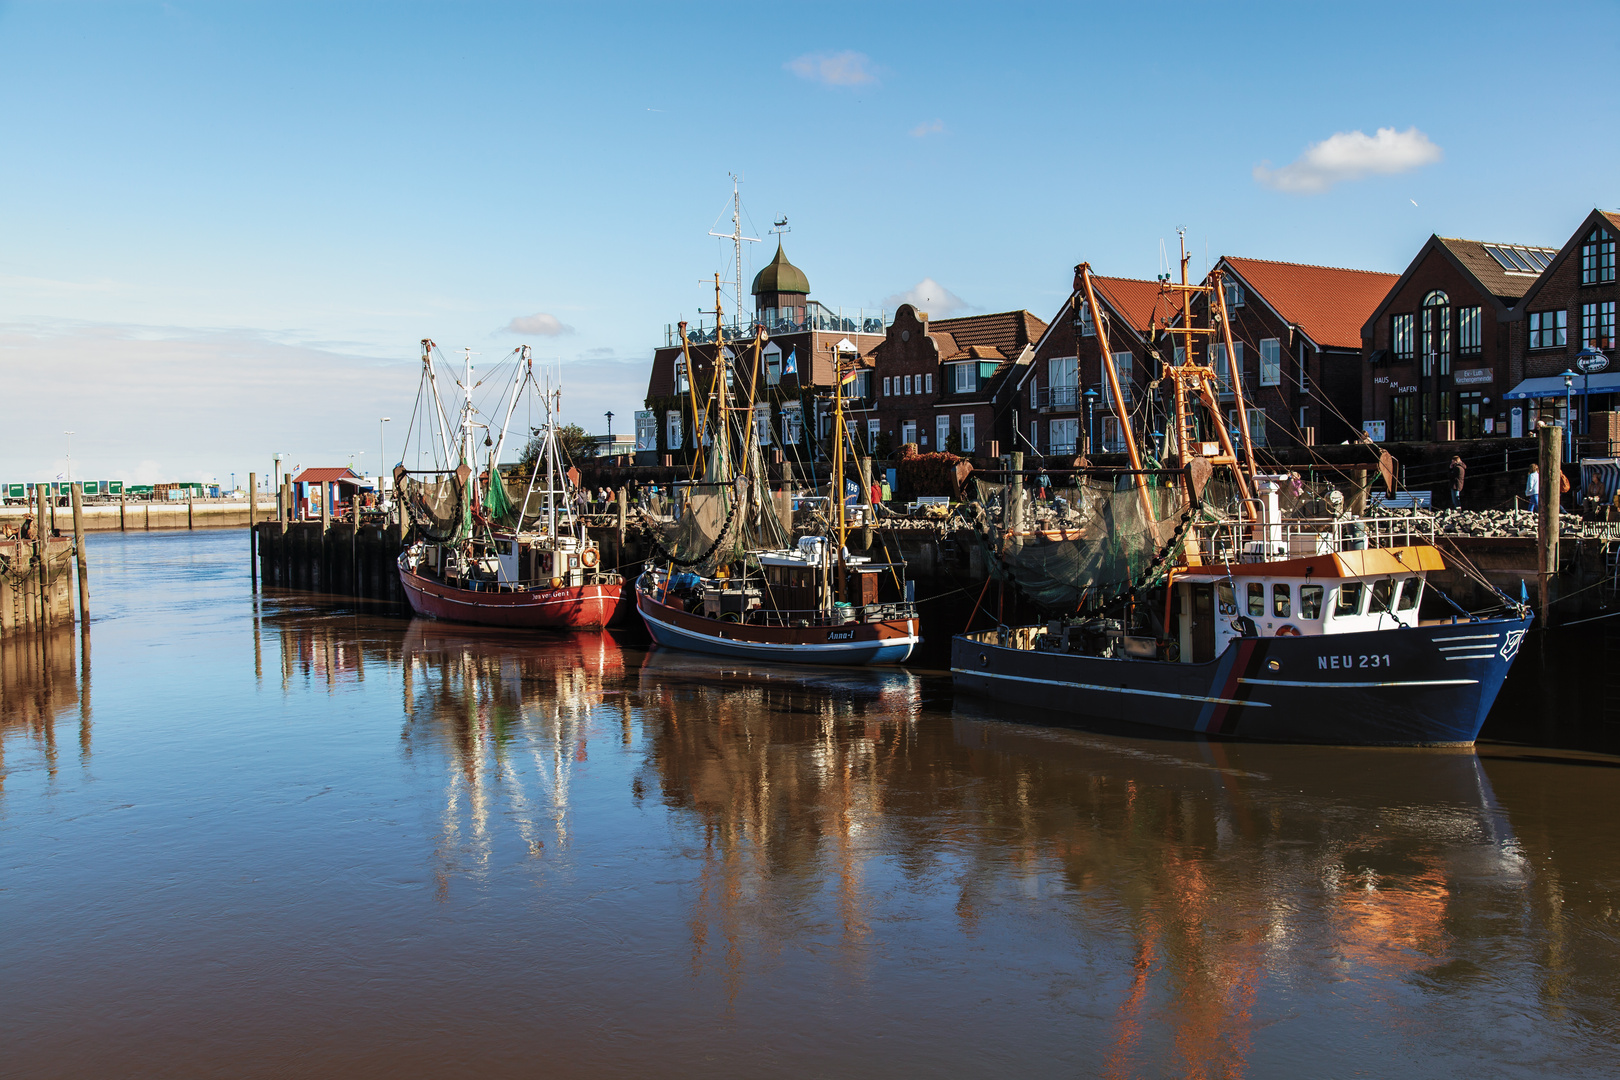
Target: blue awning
[1552, 386]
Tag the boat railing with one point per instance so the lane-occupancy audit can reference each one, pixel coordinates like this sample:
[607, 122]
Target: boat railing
[1298, 538]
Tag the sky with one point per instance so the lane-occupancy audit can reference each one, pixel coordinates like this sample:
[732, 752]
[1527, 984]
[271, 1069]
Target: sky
[225, 228]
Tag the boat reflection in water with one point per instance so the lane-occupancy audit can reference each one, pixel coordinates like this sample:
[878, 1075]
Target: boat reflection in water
[511, 713]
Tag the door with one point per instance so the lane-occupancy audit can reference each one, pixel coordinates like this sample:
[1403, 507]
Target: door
[1203, 624]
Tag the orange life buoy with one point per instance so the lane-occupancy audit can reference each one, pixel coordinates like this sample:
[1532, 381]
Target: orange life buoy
[1288, 630]
[589, 558]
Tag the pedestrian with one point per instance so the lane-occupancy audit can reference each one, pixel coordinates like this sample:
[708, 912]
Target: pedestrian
[1532, 487]
[1296, 486]
[1045, 483]
[1459, 472]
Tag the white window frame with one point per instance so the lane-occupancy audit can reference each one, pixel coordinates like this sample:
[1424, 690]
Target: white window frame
[646, 430]
[968, 427]
[1062, 433]
[942, 431]
[929, 379]
[908, 385]
[773, 364]
[1257, 424]
[1270, 361]
[965, 378]
[1088, 326]
[792, 424]
[1124, 363]
[873, 429]
[762, 424]
[674, 428]
[885, 386]
[908, 431]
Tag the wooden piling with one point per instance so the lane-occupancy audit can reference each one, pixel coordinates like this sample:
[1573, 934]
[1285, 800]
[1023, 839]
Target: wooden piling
[1551, 445]
[253, 526]
[121, 510]
[1015, 495]
[78, 550]
[190, 502]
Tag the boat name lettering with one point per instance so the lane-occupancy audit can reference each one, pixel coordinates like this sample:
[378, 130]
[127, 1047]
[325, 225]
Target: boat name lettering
[842, 635]
[1364, 660]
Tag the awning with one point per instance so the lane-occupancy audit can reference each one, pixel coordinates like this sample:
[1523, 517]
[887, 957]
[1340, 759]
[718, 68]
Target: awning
[1552, 386]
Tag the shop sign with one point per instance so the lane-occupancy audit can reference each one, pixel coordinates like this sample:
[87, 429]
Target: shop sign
[1473, 376]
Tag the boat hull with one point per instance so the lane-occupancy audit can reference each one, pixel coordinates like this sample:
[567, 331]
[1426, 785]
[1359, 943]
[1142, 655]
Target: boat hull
[888, 642]
[1430, 685]
[576, 607]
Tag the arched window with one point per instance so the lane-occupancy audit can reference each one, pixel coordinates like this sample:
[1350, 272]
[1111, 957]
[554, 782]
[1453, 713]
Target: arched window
[1437, 332]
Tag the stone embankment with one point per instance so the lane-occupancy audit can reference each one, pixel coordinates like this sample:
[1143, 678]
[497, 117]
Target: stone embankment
[1516, 523]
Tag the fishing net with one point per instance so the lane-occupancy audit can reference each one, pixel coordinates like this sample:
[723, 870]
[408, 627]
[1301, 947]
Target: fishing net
[438, 511]
[1089, 542]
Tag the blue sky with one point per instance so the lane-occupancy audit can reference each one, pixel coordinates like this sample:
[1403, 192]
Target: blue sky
[224, 228]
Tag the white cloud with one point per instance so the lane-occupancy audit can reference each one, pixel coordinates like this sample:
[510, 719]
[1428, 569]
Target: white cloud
[930, 296]
[928, 127]
[1351, 155]
[845, 68]
[542, 324]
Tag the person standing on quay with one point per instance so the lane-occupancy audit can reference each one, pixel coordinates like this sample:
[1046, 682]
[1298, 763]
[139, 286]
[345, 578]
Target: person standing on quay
[1459, 472]
[1532, 487]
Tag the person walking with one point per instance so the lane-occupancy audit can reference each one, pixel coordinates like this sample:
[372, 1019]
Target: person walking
[1532, 487]
[1459, 473]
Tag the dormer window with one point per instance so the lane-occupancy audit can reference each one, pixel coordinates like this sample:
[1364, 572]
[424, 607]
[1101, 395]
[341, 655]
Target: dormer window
[967, 379]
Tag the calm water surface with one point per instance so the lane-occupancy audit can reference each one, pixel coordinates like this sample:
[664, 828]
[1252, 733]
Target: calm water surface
[278, 836]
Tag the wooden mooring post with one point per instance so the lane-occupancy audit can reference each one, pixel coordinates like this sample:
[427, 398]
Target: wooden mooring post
[79, 555]
[1551, 445]
[253, 527]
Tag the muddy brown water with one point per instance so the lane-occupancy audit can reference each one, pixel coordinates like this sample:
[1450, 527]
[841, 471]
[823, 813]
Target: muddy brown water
[284, 836]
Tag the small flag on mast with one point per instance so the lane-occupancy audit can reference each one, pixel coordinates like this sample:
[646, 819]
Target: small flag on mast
[790, 366]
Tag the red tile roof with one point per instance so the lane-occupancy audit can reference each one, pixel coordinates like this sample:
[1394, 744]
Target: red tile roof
[1329, 303]
[1138, 302]
[1007, 332]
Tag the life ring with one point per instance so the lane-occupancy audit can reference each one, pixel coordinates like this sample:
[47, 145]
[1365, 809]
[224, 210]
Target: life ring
[1288, 630]
[589, 558]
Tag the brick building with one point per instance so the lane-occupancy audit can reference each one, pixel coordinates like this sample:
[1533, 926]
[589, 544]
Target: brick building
[1062, 403]
[1296, 330]
[1569, 307]
[947, 384]
[790, 383]
[1439, 344]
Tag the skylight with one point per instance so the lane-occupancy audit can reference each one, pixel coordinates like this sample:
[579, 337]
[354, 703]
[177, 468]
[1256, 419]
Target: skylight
[1520, 260]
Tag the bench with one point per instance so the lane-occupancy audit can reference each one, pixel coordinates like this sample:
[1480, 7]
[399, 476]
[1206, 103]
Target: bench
[1405, 500]
[924, 501]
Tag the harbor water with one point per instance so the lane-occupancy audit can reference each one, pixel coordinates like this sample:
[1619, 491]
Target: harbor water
[268, 833]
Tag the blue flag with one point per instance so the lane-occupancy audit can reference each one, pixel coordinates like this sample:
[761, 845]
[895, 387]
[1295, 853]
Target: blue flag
[790, 366]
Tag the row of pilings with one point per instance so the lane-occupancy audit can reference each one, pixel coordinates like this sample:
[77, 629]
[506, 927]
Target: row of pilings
[341, 558]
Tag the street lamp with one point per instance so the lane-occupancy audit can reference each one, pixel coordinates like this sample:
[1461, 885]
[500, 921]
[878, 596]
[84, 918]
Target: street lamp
[1091, 397]
[1569, 405]
[382, 458]
[69, 434]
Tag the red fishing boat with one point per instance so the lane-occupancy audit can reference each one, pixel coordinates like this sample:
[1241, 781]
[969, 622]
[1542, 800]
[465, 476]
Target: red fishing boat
[478, 555]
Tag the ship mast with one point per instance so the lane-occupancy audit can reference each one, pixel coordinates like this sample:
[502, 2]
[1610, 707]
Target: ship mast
[838, 464]
[1083, 272]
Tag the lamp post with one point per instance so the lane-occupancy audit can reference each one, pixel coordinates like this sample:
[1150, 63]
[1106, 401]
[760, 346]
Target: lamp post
[1569, 405]
[1590, 361]
[1091, 414]
[69, 435]
[382, 457]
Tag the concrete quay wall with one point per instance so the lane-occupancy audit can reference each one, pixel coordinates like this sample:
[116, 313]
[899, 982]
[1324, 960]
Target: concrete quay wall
[130, 516]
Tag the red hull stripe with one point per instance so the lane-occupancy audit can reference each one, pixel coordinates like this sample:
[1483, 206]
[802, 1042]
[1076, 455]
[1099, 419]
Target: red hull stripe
[566, 607]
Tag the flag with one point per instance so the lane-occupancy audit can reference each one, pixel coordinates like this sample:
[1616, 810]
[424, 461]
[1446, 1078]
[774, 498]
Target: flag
[849, 376]
[790, 366]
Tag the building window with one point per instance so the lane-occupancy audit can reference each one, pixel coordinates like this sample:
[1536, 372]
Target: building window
[1597, 325]
[1400, 336]
[942, 431]
[862, 386]
[872, 428]
[1469, 424]
[1088, 328]
[968, 441]
[773, 365]
[966, 378]
[646, 430]
[1063, 380]
[1597, 257]
[1234, 295]
[1034, 436]
[885, 386]
[1122, 368]
[1549, 329]
[1403, 418]
[1113, 435]
[1224, 371]
[762, 424]
[1270, 362]
[792, 422]
[1062, 436]
[908, 384]
[1470, 339]
[1034, 393]
[672, 429]
[1257, 424]
[681, 384]
[908, 431]
[928, 381]
[1436, 332]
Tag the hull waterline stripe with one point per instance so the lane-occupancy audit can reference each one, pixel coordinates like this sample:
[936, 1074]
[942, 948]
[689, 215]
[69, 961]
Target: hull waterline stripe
[1473, 656]
[1362, 685]
[1464, 648]
[1114, 689]
[1470, 637]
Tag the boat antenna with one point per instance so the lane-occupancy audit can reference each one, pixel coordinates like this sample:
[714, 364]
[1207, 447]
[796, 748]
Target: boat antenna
[737, 238]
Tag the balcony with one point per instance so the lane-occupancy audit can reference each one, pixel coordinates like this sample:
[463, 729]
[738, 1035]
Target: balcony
[1057, 399]
[816, 317]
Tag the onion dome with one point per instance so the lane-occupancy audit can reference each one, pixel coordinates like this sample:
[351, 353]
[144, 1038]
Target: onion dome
[781, 276]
